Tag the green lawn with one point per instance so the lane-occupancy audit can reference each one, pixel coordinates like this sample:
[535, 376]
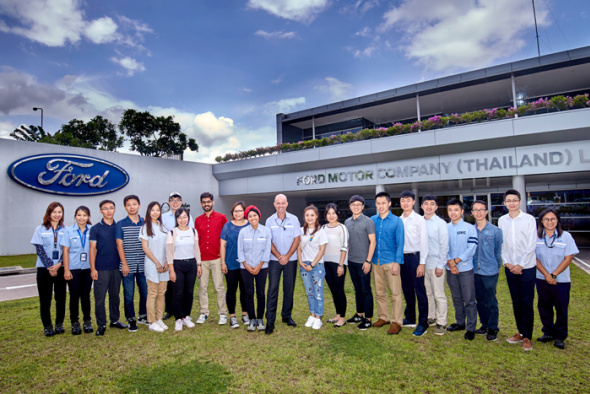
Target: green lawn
[24, 260]
[211, 358]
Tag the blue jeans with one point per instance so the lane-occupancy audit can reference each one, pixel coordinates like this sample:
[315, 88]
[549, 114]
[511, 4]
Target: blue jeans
[129, 291]
[487, 303]
[314, 287]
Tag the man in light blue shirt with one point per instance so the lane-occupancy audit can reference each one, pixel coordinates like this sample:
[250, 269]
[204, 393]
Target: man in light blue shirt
[462, 246]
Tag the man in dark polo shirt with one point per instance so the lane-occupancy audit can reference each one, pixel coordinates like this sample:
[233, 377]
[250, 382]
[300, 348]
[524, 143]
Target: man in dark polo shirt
[361, 246]
[132, 261]
[104, 268]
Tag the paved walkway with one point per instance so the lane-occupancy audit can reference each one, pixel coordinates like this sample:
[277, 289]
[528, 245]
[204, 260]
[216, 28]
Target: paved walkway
[15, 287]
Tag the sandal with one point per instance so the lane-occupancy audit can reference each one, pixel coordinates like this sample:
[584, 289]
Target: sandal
[334, 320]
[340, 325]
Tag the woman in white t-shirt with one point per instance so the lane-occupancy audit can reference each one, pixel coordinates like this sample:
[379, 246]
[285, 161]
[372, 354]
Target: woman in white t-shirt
[310, 255]
[153, 242]
[184, 261]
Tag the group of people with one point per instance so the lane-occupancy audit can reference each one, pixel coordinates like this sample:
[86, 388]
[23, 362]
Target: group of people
[165, 254]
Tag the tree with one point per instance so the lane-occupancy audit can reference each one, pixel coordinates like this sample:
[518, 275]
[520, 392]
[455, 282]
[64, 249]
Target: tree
[155, 136]
[98, 133]
[31, 134]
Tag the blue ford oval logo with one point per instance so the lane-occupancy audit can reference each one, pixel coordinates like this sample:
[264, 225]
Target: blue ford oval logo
[65, 174]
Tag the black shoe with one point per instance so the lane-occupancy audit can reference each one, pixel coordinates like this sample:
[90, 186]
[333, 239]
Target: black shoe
[289, 321]
[76, 330]
[100, 331]
[87, 327]
[118, 324]
[270, 328]
[132, 326]
[546, 338]
[59, 328]
[481, 331]
[143, 320]
[469, 335]
[167, 316]
[455, 327]
[48, 331]
[492, 335]
[365, 325]
[355, 319]
[559, 344]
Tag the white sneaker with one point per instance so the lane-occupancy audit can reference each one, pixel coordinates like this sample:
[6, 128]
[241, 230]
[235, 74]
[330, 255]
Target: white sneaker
[317, 324]
[162, 324]
[188, 322]
[309, 321]
[178, 325]
[202, 318]
[155, 327]
[222, 319]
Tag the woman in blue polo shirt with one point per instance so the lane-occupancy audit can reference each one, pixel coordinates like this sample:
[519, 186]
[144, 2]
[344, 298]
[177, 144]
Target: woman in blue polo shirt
[50, 274]
[77, 268]
[555, 251]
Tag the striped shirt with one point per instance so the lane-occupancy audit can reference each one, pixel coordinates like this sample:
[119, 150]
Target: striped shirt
[462, 244]
[129, 233]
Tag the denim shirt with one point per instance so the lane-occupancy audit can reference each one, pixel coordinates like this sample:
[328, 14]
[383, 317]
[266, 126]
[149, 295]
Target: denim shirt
[487, 259]
[389, 233]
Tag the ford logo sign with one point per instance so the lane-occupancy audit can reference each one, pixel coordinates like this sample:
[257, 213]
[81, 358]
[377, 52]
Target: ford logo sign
[72, 175]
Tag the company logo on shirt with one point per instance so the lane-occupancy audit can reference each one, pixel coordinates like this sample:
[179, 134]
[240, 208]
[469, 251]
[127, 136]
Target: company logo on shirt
[461, 232]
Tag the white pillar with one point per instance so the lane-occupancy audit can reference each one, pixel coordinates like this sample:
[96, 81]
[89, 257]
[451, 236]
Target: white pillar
[313, 128]
[417, 200]
[519, 185]
[379, 189]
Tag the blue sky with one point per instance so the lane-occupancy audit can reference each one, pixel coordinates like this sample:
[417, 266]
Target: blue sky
[225, 68]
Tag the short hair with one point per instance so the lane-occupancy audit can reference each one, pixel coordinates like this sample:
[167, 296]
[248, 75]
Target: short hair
[100, 204]
[130, 197]
[455, 201]
[84, 209]
[430, 197]
[332, 206]
[49, 211]
[482, 202]
[407, 193]
[356, 198]
[511, 192]
[206, 195]
[541, 228]
[179, 212]
[237, 204]
[383, 194]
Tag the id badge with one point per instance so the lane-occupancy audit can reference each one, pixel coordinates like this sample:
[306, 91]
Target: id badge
[83, 256]
[55, 255]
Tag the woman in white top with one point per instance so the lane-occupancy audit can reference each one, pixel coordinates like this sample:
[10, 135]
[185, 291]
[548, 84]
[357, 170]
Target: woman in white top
[310, 255]
[184, 262]
[153, 242]
[336, 260]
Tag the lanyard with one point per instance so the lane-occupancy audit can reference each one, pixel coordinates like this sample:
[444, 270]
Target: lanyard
[55, 234]
[83, 238]
[553, 237]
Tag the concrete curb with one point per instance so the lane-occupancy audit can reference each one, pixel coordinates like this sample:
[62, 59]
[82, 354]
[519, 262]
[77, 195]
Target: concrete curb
[16, 270]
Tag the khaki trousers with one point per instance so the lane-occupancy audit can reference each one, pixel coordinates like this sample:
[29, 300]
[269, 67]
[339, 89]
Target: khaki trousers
[384, 279]
[156, 295]
[437, 299]
[213, 267]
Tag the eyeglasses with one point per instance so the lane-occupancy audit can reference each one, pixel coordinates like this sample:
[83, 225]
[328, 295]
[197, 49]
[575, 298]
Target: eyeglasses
[511, 201]
[175, 200]
[238, 211]
[478, 210]
[356, 204]
[549, 220]
[206, 202]
[107, 209]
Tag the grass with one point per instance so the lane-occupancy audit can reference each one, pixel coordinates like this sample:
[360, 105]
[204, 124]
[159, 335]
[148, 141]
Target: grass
[210, 358]
[24, 260]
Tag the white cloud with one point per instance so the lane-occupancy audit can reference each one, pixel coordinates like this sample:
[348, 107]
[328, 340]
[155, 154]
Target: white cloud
[360, 53]
[278, 80]
[459, 34]
[337, 90]
[101, 31]
[246, 90]
[212, 129]
[276, 34]
[360, 6]
[366, 32]
[6, 127]
[131, 65]
[298, 10]
[283, 106]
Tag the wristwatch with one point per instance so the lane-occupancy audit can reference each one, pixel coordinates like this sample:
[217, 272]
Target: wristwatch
[554, 276]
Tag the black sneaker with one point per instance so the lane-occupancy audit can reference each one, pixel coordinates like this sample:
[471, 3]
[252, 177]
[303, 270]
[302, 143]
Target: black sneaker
[143, 320]
[118, 324]
[546, 338]
[469, 335]
[455, 327]
[48, 331]
[59, 328]
[100, 331]
[492, 335]
[87, 327]
[481, 331]
[355, 319]
[76, 330]
[559, 343]
[132, 326]
[365, 325]
[167, 316]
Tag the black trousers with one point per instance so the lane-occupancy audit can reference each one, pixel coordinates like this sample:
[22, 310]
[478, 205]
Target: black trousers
[363, 293]
[336, 285]
[234, 281]
[553, 304]
[184, 287]
[522, 292]
[79, 287]
[250, 283]
[169, 297]
[414, 288]
[47, 286]
[289, 272]
[108, 281]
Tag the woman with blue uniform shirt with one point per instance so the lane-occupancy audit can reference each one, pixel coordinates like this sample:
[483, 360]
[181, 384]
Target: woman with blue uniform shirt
[254, 253]
[77, 268]
[555, 251]
[50, 274]
[230, 265]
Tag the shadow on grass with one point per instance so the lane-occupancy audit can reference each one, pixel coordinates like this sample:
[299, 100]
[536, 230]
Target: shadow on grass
[193, 376]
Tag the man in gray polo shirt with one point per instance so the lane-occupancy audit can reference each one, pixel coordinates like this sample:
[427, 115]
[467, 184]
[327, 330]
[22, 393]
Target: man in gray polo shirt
[361, 246]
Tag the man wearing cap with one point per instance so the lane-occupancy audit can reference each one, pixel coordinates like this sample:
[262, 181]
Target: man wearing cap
[286, 232]
[168, 220]
[209, 226]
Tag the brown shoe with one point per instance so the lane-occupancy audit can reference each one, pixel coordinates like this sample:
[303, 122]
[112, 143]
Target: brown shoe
[394, 328]
[380, 323]
[516, 338]
[527, 345]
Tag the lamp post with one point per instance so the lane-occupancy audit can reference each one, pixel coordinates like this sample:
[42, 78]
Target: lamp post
[35, 109]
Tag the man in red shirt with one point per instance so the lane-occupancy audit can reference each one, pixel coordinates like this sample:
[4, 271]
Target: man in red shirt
[209, 226]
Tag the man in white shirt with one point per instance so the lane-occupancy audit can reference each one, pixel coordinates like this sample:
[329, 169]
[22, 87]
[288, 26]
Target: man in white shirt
[518, 256]
[413, 268]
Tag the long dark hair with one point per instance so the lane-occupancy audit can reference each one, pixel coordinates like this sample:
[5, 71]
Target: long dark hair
[333, 207]
[317, 220]
[148, 218]
[84, 209]
[541, 228]
[179, 212]
[50, 209]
